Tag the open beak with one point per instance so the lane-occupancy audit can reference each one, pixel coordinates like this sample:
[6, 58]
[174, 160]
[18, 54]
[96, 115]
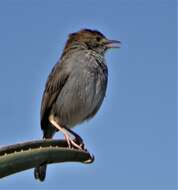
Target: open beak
[113, 44]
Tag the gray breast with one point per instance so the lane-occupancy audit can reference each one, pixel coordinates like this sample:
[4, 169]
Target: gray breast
[83, 92]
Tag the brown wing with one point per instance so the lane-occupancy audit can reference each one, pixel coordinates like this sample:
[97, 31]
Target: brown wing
[55, 82]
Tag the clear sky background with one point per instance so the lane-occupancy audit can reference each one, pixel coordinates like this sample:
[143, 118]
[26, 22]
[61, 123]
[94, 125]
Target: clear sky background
[133, 137]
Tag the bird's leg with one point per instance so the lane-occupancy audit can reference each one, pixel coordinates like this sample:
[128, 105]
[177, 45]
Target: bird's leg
[67, 136]
[67, 139]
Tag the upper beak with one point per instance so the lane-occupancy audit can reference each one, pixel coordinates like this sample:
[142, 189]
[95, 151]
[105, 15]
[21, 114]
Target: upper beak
[113, 44]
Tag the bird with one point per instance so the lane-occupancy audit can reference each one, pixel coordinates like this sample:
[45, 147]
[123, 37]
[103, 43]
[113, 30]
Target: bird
[75, 88]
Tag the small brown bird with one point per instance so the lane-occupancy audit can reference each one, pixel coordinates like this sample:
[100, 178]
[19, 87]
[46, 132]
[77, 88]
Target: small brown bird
[75, 88]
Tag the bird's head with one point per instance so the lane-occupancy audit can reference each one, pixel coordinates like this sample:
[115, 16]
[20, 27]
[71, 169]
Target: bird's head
[91, 39]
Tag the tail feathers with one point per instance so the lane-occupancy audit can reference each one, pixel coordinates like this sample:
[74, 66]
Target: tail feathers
[40, 172]
[49, 132]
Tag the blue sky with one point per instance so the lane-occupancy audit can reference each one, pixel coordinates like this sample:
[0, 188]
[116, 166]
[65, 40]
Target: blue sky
[133, 137]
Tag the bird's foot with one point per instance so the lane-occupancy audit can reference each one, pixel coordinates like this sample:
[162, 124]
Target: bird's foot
[79, 141]
[76, 143]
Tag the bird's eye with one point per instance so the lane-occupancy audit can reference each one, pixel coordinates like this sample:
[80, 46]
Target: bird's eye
[98, 39]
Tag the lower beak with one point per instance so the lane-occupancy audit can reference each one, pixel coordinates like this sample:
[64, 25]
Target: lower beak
[113, 44]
